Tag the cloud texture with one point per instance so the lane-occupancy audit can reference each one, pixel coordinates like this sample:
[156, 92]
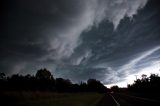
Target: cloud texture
[76, 39]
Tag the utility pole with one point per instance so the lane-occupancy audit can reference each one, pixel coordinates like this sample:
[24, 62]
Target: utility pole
[136, 76]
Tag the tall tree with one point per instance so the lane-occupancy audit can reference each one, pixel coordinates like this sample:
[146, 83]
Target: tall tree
[44, 74]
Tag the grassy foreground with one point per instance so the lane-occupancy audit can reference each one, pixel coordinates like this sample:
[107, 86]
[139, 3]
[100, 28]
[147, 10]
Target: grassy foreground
[50, 99]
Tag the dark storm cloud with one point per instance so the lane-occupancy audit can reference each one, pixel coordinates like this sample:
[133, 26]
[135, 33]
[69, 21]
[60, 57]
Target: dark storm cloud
[122, 52]
[76, 39]
[29, 28]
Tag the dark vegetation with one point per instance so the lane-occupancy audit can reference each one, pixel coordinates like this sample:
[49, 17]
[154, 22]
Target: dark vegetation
[44, 81]
[146, 87]
[43, 89]
[146, 84]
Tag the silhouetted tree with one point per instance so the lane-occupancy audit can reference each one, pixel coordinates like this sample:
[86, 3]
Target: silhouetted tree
[115, 88]
[44, 74]
[83, 87]
[146, 84]
[95, 86]
[2, 76]
[44, 81]
[63, 85]
[2, 81]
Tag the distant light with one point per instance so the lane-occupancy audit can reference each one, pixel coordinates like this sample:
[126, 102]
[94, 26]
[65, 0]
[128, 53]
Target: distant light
[152, 69]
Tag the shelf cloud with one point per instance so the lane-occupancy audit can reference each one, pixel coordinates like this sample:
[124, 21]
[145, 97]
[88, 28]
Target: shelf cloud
[78, 39]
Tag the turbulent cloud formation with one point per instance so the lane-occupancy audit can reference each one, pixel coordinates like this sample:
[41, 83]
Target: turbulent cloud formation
[93, 11]
[135, 61]
[78, 39]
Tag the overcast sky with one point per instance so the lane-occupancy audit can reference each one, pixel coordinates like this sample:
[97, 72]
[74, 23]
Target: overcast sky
[80, 39]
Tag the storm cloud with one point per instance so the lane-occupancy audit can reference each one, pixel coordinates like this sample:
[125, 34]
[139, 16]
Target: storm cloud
[78, 39]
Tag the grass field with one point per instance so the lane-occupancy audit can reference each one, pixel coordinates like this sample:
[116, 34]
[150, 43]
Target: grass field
[50, 99]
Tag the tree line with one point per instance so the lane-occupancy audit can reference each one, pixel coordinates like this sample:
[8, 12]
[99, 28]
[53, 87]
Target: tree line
[146, 84]
[44, 81]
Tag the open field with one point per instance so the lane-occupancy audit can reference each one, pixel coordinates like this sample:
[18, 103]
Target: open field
[49, 99]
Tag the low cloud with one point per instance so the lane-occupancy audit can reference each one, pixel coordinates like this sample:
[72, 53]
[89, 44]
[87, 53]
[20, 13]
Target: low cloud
[130, 66]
